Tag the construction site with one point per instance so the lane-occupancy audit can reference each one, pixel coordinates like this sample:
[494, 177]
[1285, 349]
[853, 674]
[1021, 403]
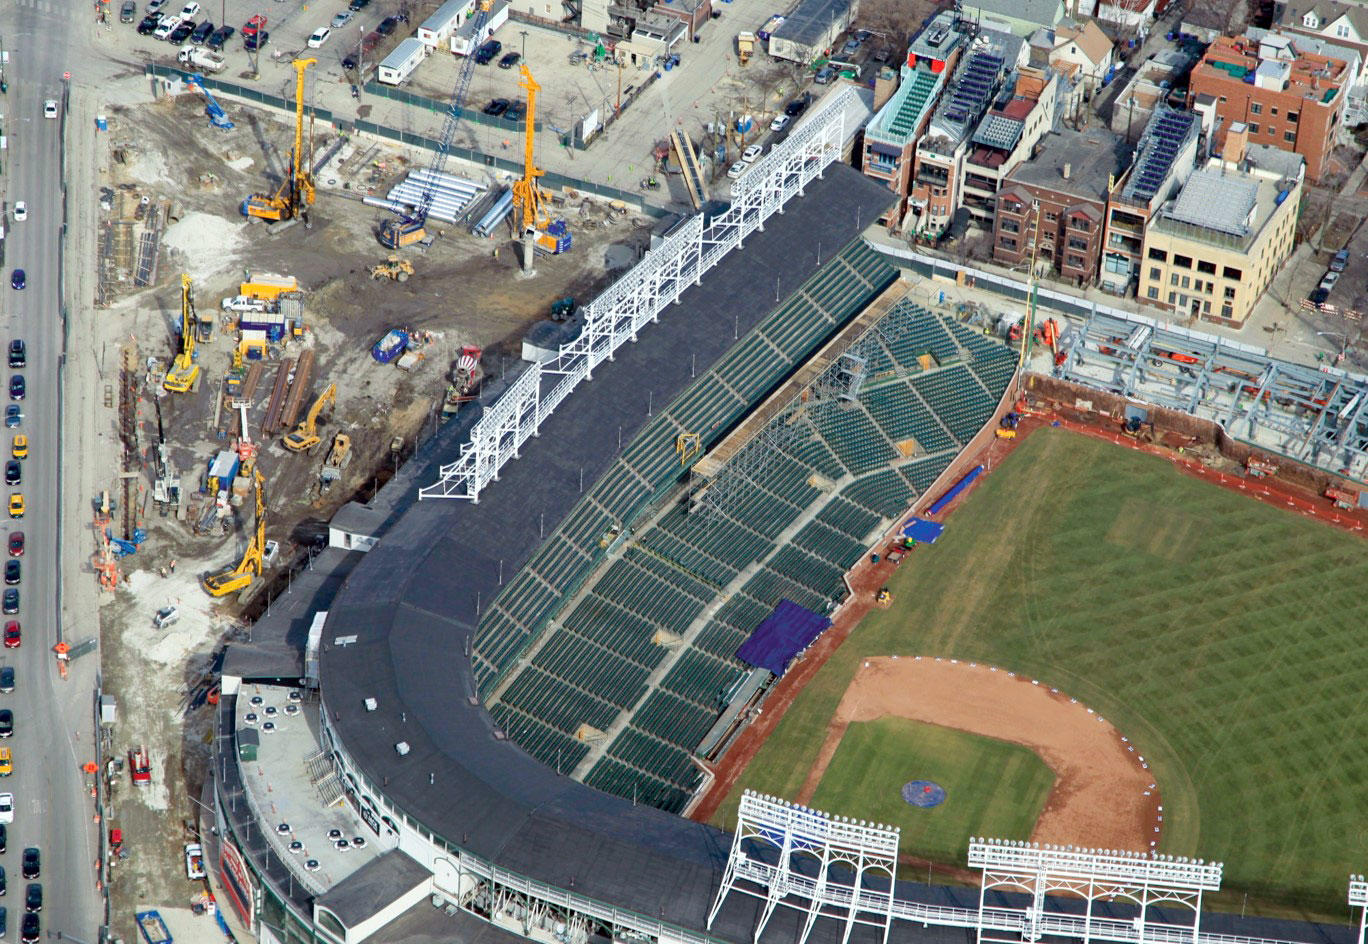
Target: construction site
[289, 315]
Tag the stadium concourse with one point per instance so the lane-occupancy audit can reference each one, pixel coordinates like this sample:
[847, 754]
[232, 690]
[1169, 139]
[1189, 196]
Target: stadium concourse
[473, 721]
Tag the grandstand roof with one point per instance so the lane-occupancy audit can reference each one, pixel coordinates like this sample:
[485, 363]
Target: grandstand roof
[458, 779]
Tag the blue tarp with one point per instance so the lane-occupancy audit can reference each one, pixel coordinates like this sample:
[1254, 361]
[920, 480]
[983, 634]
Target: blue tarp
[923, 531]
[955, 489]
[786, 632]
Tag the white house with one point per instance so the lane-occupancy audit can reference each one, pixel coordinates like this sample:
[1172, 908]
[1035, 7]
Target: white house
[1079, 50]
[1127, 18]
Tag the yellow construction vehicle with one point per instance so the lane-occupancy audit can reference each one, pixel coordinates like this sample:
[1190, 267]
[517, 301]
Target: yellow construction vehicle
[305, 435]
[338, 457]
[183, 372]
[295, 194]
[538, 232]
[238, 578]
[392, 268]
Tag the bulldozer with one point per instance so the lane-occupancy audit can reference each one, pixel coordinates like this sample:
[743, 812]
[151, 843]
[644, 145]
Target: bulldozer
[392, 268]
[338, 457]
[233, 579]
[305, 436]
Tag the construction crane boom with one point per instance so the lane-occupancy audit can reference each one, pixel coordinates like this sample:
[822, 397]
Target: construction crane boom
[305, 436]
[237, 578]
[526, 193]
[217, 116]
[295, 194]
[181, 376]
[411, 228]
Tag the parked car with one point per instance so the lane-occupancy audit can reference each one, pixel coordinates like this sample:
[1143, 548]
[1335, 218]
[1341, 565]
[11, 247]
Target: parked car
[851, 47]
[13, 635]
[18, 280]
[1340, 260]
[799, 105]
[165, 27]
[318, 37]
[128, 11]
[517, 111]
[202, 33]
[32, 863]
[752, 154]
[149, 24]
[33, 897]
[388, 25]
[356, 6]
[16, 544]
[13, 572]
[349, 62]
[780, 123]
[6, 686]
[30, 929]
[6, 762]
[181, 33]
[17, 387]
[487, 51]
[257, 40]
[1318, 296]
[190, 10]
[20, 211]
[510, 59]
[496, 108]
[6, 807]
[9, 602]
[18, 354]
[13, 472]
[736, 170]
[1329, 280]
[14, 417]
[16, 505]
[6, 730]
[219, 37]
[824, 75]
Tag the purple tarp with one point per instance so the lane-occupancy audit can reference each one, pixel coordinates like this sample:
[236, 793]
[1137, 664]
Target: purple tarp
[786, 632]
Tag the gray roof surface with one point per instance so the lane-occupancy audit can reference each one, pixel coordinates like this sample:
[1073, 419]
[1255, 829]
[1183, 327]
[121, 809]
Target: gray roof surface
[1216, 201]
[358, 518]
[414, 601]
[810, 21]
[999, 131]
[1092, 155]
[373, 887]
[424, 924]
[1041, 12]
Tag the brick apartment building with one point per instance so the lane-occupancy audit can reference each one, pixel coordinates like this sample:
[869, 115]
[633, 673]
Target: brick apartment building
[1286, 98]
[1053, 208]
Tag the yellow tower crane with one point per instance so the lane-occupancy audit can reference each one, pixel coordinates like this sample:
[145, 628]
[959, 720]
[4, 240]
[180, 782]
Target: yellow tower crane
[295, 194]
[305, 435]
[526, 193]
[233, 579]
[181, 376]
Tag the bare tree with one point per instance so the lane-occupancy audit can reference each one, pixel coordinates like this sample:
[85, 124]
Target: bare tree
[894, 20]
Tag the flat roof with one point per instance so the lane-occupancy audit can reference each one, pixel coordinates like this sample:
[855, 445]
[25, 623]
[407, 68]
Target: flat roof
[1091, 156]
[1217, 201]
[810, 21]
[374, 887]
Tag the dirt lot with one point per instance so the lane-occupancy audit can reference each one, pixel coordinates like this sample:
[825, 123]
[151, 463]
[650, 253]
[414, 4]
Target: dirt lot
[463, 291]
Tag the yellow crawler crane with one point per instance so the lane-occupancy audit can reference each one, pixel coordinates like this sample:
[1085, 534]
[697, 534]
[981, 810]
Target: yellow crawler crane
[233, 579]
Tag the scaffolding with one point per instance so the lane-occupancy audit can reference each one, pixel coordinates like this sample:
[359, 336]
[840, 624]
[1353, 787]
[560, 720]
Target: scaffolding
[639, 298]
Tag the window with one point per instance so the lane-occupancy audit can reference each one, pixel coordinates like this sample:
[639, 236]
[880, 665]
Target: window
[1173, 278]
[1207, 267]
[1311, 21]
[1051, 216]
[1081, 224]
[1223, 99]
[1172, 296]
[1156, 274]
[1206, 308]
[1009, 226]
[1076, 262]
[1007, 242]
[1153, 293]
[1342, 30]
[1158, 255]
[1183, 262]
[1076, 243]
[1292, 117]
[1227, 311]
[1185, 281]
[1290, 137]
[1273, 111]
[1117, 264]
[1233, 274]
[1255, 108]
[1253, 129]
[1230, 293]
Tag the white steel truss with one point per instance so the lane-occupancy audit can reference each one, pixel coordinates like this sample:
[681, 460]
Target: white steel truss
[1040, 870]
[822, 866]
[638, 298]
[1358, 898]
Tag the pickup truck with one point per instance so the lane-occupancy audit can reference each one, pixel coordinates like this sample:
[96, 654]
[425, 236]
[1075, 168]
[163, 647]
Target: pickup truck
[201, 58]
[194, 861]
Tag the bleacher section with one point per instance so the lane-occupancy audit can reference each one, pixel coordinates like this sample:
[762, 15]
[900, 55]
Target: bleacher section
[639, 662]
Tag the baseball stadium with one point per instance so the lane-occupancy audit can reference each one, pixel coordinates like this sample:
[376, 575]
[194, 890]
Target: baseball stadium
[790, 600]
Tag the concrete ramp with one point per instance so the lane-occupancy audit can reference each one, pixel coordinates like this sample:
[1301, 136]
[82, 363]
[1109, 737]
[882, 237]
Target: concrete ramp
[688, 163]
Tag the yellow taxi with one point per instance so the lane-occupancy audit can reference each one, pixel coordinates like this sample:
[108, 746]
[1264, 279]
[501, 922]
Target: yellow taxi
[19, 446]
[17, 505]
[6, 762]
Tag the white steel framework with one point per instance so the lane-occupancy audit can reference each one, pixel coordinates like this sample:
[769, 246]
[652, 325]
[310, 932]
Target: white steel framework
[1358, 898]
[1041, 870]
[840, 855]
[639, 297]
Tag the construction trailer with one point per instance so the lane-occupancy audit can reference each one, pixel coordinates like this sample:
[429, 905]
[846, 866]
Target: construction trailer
[268, 287]
[472, 33]
[400, 64]
[436, 30]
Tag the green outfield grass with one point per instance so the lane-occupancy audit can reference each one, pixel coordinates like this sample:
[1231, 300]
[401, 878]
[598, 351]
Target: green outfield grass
[875, 758]
[1225, 637]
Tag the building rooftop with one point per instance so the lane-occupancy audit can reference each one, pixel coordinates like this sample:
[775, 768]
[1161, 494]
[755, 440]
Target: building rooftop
[373, 887]
[811, 20]
[1092, 158]
[1229, 204]
[1164, 142]
[1038, 12]
[1277, 63]
[923, 75]
[1323, 14]
[972, 89]
[293, 803]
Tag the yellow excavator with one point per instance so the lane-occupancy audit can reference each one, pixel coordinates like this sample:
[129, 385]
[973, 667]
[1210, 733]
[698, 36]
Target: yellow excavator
[183, 372]
[295, 194]
[238, 578]
[305, 435]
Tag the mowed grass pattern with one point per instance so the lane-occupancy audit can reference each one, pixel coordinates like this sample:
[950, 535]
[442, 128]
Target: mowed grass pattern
[1224, 636]
[875, 758]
